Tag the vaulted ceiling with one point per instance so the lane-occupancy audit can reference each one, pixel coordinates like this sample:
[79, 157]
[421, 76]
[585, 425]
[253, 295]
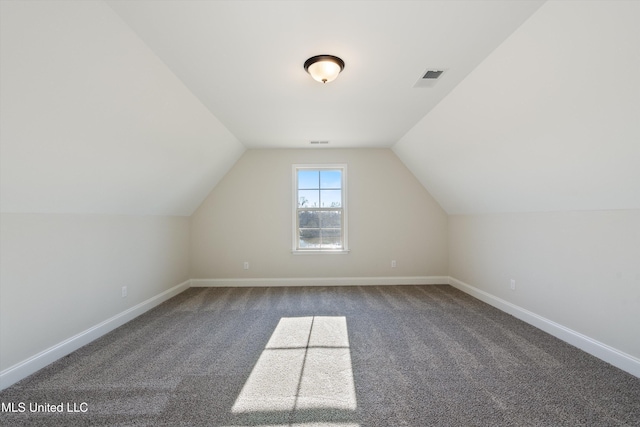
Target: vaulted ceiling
[244, 61]
[140, 107]
[550, 121]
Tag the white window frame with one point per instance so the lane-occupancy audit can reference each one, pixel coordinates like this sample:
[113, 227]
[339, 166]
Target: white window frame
[295, 236]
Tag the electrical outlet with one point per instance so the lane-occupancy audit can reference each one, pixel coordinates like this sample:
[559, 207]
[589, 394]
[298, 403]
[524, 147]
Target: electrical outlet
[124, 291]
[513, 285]
[245, 266]
[393, 263]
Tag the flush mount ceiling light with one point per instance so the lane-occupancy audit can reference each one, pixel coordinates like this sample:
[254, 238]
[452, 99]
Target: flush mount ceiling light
[324, 68]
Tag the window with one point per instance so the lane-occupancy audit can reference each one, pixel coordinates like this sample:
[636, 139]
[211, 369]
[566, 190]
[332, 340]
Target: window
[320, 219]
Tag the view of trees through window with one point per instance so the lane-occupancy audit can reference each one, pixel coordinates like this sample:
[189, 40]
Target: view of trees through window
[320, 209]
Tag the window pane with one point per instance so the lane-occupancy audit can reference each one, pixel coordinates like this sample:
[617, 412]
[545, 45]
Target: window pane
[309, 238]
[331, 238]
[308, 219]
[331, 219]
[330, 179]
[319, 224]
[331, 198]
[308, 178]
[308, 198]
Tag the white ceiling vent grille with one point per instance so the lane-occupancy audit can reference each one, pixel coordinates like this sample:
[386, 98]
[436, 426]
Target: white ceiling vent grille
[430, 77]
[318, 142]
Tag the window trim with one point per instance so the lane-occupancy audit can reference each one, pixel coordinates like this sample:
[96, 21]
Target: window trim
[294, 184]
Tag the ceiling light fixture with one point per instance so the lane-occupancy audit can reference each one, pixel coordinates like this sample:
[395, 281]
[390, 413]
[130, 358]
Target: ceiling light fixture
[324, 68]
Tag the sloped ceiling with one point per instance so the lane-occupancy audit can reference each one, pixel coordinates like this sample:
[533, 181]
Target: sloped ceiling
[140, 107]
[550, 121]
[93, 122]
[244, 60]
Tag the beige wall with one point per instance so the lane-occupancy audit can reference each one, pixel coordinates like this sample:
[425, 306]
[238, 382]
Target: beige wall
[62, 274]
[578, 269]
[248, 217]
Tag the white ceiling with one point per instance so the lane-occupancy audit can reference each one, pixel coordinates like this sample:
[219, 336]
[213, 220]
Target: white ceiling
[244, 61]
[141, 107]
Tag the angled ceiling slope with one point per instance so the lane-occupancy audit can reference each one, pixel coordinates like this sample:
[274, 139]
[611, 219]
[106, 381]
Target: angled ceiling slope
[93, 122]
[244, 60]
[550, 121]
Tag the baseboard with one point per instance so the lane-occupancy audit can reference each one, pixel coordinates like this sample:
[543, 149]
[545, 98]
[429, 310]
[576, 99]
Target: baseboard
[615, 357]
[33, 364]
[322, 281]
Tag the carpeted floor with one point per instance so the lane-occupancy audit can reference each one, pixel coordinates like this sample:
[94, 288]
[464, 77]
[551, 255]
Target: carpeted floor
[343, 356]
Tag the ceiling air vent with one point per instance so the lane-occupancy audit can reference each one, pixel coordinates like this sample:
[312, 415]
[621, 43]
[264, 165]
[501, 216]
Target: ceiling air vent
[318, 142]
[432, 74]
[430, 77]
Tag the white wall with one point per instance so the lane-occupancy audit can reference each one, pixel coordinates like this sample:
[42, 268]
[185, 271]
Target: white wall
[578, 269]
[97, 136]
[62, 274]
[248, 217]
[548, 122]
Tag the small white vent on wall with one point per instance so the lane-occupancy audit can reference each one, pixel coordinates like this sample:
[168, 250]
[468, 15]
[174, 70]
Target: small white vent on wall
[430, 77]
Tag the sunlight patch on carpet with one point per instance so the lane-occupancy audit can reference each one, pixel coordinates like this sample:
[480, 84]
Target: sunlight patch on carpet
[306, 365]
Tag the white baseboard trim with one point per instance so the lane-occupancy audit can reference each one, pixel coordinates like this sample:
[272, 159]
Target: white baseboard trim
[322, 281]
[34, 363]
[615, 357]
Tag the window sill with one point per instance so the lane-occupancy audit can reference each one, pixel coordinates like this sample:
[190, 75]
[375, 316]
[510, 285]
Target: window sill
[320, 252]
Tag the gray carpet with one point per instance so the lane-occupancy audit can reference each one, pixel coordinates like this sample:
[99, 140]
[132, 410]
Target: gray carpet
[343, 356]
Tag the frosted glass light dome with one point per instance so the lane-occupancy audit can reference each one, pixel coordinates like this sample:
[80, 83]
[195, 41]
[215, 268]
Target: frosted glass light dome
[324, 68]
